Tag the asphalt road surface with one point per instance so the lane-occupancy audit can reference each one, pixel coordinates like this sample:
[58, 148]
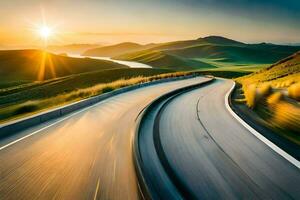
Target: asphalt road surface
[210, 155]
[85, 156]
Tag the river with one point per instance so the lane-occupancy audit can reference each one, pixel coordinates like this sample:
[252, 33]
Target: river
[130, 64]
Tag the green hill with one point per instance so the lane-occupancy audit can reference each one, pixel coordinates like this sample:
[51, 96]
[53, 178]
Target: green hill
[219, 40]
[114, 50]
[211, 52]
[161, 59]
[128, 47]
[212, 40]
[246, 54]
[54, 87]
[32, 65]
[24, 99]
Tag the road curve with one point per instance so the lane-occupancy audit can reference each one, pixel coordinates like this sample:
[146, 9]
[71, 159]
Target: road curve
[200, 151]
[85, 156]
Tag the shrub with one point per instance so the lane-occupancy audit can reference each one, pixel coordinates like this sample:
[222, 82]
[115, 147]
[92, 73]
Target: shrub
[250, 95]
[78, 94]
[287, 116]
[107, 89]
[274, 98]
[26, 108]
[294, 91]
[264, 90]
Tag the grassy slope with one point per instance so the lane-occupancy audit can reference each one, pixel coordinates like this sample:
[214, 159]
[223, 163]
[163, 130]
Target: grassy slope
[286, 69]
[160, 59]
[48, 93]
[19, 66]
[232, 53]
[53, 87]
[211, 52]
[274, 95]
[114, 50]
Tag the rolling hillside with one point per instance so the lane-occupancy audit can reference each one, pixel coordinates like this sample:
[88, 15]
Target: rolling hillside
[32, 65]
[114, 50]
[221, 41]
[35, 96]
[246, 54]
[160, 59]
[286, 70]
[53, 87]
[210, 40]
[211, 52]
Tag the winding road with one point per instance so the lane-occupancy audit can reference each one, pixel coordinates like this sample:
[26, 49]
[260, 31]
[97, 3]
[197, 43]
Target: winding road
[200, 151]
[87, 155]
[191, 147]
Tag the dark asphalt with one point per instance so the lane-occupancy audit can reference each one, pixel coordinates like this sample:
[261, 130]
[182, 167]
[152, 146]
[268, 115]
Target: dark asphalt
[87, 156]
[199, 150]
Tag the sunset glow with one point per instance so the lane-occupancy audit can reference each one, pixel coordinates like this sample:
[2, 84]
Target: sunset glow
[144, 21]
[45, 32]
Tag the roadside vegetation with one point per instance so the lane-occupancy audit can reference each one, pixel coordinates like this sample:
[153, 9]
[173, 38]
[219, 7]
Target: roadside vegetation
[35, 80]
[273, 94]
[23, 101]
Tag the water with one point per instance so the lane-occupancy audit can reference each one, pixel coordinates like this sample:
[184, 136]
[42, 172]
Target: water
[130, 64]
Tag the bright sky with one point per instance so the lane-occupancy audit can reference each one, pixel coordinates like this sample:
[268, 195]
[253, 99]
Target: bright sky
[143, 21]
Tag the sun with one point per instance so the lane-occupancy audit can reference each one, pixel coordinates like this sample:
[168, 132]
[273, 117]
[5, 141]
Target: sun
[45, 32]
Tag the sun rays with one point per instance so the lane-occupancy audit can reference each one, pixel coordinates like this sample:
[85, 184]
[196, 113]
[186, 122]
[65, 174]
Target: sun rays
[44, 33]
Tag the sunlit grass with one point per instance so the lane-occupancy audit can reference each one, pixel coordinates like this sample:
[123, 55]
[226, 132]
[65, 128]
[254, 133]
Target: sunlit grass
[276, 108]
[250, 95]
[294, 91]
[274, 94]
[33, 106]
[275, 98]
[286, 116]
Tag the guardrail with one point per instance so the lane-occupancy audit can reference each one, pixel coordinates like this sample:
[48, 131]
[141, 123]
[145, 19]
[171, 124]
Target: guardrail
[21, 124]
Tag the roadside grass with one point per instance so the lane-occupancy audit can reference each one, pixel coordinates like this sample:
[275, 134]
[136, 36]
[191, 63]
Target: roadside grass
[223, 73]
[294, 91]
[273, 107]
[17, 110]
[50, 88]
[273, 94]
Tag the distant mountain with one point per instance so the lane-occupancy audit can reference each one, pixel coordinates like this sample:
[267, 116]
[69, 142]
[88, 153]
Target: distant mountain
[216, 40]
[32, 65]
[71, 48]
[221, 41]
[114, 50]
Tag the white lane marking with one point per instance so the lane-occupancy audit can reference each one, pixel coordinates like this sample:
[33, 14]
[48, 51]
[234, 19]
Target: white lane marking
[37, 131]
[258, 135]
[97, 188]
